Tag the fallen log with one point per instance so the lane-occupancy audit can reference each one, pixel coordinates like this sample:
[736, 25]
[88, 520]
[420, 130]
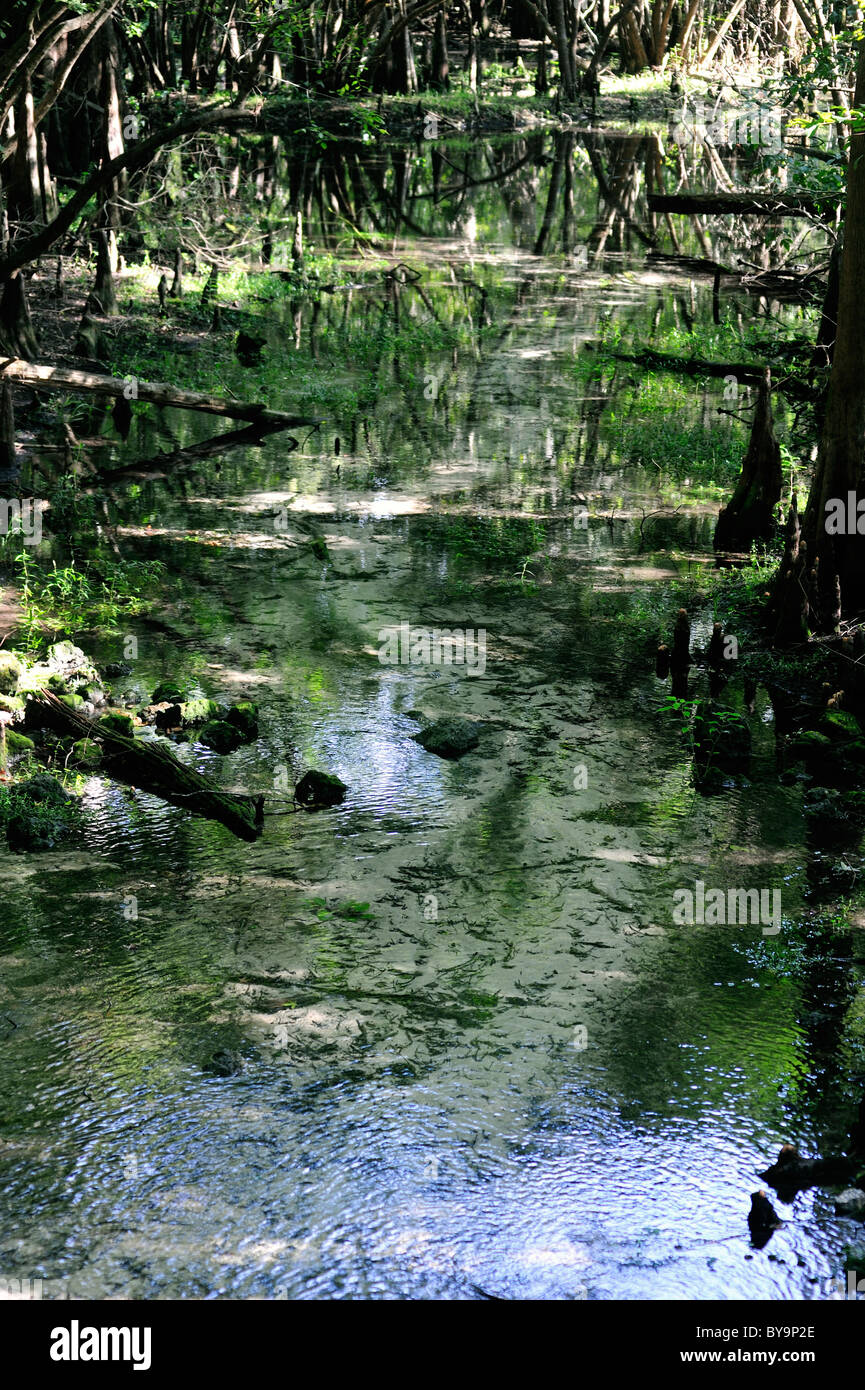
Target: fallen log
[749, 204]
[152, 768]
[156, 392]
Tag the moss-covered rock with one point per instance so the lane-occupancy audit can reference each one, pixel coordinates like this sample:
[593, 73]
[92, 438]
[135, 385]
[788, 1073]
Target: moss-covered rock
[220, 736]
[75, 702]
[90, 691]
[67, 660]
[11, 671]
[18, 743]
[200, 711]
[44, 790]
[839, 726]
[830, 762]
[11, 704]
[319, 789]
[244, 716]
[449, 738]
[86, 753]
[835, 819]
[170, 691]
[42, 677]
[809, 744]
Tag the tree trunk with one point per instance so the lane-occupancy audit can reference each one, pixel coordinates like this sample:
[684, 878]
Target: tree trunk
[839, 553]
[440, 76]
[17, 337]
[112, 129]
[176, 291]
[24, 193]
[569, 87]
[7, 432]
[104, 287]
[824, 348]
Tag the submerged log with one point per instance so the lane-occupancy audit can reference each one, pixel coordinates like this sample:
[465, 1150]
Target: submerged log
[749, 204]
[152, 768]
[161, 464]
[750, 514]
[157, 392]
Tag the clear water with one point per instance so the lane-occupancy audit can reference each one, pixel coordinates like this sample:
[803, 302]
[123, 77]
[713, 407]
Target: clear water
[510, 1074]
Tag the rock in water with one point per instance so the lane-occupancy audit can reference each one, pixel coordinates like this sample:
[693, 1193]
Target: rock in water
[851, 1202]
[319, 789]
[220, 736]
[244, 717]
[791, 1172]
[171, 691]
[449, 738]
[762, 1218]
[226, 1062]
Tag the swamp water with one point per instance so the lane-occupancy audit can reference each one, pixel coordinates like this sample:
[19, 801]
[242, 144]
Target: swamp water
[479, 1056]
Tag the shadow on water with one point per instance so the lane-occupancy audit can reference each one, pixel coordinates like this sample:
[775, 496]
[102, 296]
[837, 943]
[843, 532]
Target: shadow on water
[466, 1050]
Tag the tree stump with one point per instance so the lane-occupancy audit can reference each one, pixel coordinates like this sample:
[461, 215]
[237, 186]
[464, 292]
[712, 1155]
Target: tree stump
[750, 514]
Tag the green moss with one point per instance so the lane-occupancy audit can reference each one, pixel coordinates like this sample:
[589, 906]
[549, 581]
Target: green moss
[837, 725]
[86, 753]
[198, 712]
[809, 744]
[18, 743]
[117, 723]
[169, 691]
